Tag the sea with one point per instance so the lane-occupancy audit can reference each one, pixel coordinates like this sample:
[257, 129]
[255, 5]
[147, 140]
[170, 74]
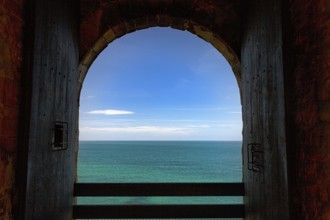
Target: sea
[160, 161]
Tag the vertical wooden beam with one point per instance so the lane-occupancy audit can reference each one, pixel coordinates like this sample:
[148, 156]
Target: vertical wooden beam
[54, 64]
[263, 115]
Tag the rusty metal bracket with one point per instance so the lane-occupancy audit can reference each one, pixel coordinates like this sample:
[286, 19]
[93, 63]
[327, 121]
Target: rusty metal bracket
[255, 157]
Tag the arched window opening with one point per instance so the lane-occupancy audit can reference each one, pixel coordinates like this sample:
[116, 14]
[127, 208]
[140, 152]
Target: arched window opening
[160, 105]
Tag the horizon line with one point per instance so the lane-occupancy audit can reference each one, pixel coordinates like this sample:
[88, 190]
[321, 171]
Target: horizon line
[155, 140]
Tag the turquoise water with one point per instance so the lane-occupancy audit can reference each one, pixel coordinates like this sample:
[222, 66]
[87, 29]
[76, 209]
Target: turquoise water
[160, 161]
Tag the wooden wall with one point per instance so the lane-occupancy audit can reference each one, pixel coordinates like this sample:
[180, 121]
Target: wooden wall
[50, 173]
[263, 112]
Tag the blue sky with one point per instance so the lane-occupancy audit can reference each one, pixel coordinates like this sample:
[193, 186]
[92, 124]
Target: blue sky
[160, 84]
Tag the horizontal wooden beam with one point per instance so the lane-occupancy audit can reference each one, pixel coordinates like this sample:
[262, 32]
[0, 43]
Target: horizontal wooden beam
[157, 211]
[159, 189]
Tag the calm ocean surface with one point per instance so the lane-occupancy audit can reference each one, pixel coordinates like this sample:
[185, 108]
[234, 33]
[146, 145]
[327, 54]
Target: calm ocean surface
[160, 161]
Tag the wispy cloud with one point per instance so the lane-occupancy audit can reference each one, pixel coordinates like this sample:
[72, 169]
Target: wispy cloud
[87, 97]
[227, 125]
[235, 112]
[140, 129]
[201, 109]
[209, 63]
[110, 112]
[198, 126]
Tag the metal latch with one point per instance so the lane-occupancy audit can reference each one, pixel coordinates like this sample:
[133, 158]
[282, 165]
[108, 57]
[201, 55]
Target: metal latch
[255, 157]
[60, 136]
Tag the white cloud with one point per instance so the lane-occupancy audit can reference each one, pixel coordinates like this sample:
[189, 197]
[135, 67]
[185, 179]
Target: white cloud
[110, 112]
[161, 132]
[198, 126]
[227, 125]
[140, 129]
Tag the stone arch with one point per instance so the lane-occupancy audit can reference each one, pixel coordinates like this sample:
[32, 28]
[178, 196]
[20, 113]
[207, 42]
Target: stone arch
[215, 22]
[196, 29]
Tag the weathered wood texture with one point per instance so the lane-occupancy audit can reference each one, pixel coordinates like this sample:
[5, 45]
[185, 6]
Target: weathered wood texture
[263, 111]
[158, 211]
[54, 98]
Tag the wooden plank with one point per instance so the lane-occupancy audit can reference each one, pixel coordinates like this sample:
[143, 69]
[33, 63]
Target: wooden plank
[54, 62]
[159, 189]
[263, 110]
[157, 211]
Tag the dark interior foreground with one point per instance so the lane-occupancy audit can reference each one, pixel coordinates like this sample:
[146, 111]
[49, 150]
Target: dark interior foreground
[279, 52]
